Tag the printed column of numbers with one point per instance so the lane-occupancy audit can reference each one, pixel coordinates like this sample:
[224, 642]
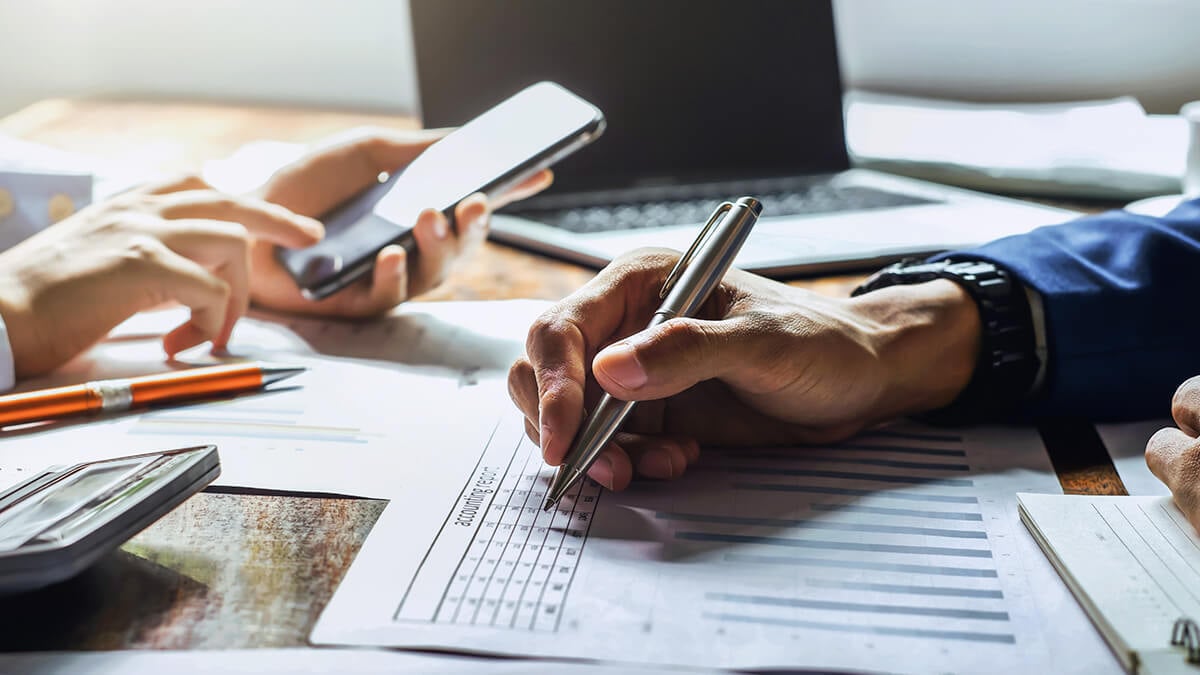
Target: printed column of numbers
[560, 556]
[519, 566]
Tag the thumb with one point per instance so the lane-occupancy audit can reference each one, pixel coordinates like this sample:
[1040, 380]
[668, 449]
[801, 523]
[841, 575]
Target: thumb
[667, 359]
[1174, 457]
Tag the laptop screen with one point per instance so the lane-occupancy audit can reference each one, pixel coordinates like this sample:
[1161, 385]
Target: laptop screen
[691, 89]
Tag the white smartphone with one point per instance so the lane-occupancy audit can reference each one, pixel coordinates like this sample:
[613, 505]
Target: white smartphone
[509, 143]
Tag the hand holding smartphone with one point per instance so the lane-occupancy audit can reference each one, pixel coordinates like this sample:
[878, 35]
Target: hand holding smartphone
[496, 151]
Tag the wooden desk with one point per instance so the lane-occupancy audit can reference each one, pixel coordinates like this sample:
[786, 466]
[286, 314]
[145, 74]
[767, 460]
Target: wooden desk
[231, 569]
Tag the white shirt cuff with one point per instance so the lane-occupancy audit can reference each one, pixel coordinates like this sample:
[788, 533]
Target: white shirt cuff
[7, 371]
[1038, 314]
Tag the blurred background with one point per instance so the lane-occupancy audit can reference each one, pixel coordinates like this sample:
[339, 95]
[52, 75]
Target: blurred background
[357, 54]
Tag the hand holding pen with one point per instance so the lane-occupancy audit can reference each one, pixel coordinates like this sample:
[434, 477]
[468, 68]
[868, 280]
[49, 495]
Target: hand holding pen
[686, 288]
[557, 348]
[762, 364]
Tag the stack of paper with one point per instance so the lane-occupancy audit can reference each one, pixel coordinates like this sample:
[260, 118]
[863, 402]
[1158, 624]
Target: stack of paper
[1132, 562]
[1108, 149]
[85, 179]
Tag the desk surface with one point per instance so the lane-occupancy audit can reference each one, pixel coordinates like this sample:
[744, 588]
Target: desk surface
[232, 569]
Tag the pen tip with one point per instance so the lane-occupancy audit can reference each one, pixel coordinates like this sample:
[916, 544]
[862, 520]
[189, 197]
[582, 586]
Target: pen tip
[549, 505]
[272, 373]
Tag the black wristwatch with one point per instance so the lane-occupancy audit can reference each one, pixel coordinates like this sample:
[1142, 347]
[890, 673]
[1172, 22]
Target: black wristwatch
[1008, 361]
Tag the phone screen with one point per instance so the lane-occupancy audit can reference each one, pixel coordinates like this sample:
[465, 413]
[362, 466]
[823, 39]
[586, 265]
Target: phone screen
[510, 142]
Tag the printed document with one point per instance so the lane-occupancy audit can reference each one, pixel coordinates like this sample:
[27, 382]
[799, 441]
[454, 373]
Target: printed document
[895, 551]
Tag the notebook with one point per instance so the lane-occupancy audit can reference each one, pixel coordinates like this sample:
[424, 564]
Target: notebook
[1133, 563]
[706, 100]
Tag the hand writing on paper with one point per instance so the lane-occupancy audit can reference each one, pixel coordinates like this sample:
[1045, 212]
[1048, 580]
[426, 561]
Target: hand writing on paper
[763, 363]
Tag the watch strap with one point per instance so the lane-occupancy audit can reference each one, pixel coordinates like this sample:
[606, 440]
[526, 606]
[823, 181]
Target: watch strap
[1007, 362]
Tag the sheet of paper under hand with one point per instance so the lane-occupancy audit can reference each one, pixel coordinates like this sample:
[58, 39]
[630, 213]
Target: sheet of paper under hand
[379, 403]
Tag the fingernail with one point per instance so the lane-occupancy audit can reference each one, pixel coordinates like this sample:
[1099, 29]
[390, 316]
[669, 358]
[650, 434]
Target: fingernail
[441, 228]
[602, 471]
[658, 465]
[313, 227]
[620, 364]
[480, 217]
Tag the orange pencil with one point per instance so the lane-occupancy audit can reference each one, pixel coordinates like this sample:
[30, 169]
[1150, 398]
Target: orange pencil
[126, 393]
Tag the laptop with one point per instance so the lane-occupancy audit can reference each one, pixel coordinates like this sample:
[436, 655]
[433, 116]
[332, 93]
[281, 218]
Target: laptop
[706, 100]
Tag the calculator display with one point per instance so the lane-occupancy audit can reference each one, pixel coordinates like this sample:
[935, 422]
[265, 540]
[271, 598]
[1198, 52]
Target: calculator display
[28, 518]
[57, 523]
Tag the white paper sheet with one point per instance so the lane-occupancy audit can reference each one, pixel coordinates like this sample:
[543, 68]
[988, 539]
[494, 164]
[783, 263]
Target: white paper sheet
[105, 178]
[900, 552]
[347, 426]
[1126, 444]
[1134, 560]
[480, 339]
[1105, 148]
[340, 428]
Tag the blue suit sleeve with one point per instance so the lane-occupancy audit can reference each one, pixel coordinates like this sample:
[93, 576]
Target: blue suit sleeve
[1121, 333]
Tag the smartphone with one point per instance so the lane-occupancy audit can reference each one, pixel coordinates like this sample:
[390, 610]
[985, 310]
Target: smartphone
[509, 143]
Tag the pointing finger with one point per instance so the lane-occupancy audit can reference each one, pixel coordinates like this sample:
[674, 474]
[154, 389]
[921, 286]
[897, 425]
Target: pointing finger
[190, 284]
[264, 220]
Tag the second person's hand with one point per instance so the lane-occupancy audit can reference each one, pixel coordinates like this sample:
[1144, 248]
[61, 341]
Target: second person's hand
[1173, 454]
[66, 287]
[339, 169]
[763, 363]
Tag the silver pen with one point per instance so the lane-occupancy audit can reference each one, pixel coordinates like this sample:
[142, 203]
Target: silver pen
[687, 288]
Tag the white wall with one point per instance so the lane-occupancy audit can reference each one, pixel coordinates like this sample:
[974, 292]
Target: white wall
[1024, 49]
[335, 53]
[357, 53]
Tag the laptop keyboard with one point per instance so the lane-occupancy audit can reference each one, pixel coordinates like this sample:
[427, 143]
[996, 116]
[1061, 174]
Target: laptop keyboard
[688, 205]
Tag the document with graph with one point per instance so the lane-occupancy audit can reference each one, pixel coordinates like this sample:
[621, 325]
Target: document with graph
[894, 552]
[1134, 563]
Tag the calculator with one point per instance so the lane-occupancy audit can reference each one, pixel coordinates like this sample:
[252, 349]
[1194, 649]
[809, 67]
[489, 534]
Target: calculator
[61, 520]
